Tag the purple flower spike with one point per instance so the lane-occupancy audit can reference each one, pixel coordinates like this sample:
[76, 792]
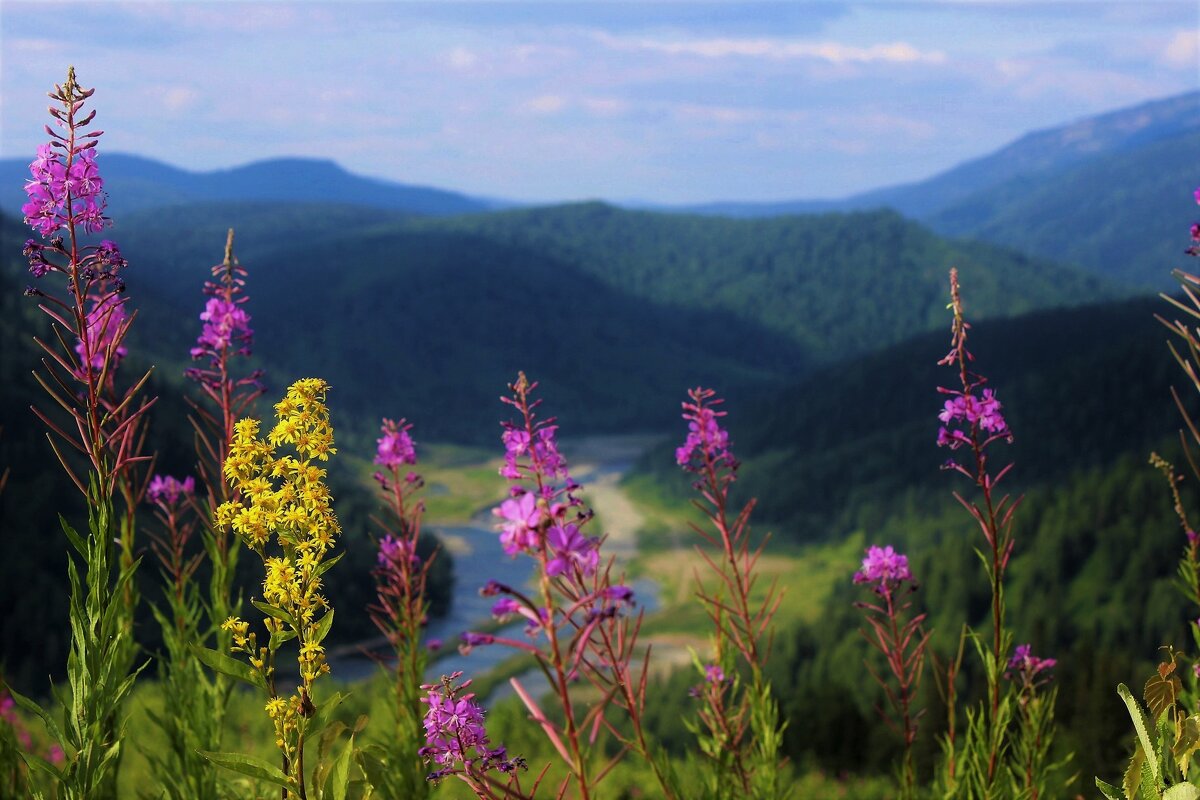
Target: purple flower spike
[622, 594]
[706, 442]
[396, 446]
[505, 606]
[394, 552]
[1030, 670]
[226, 324]
[168, 491]
[884, 567]
[53, 183]
[455, 736]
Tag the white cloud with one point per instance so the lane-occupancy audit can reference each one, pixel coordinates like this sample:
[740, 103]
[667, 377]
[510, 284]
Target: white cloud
[177, 98]
[605, 106]
[1183, 50]
[462, 58]
[545, 104]
[779, 49]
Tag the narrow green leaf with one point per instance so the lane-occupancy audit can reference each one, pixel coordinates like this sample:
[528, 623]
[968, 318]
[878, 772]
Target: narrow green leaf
[1141, 725]
[320, 774]
[41, 713]
[73, 537]
[229, 666]
[324, 566]
[252, 766]
[323, 627]
[1111, 792]
[325, 713]
[273, 611]
[341, 772]
[1149, 788]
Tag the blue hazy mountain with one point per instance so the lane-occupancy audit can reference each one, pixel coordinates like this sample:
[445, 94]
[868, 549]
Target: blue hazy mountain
[134, 183]
[1110, 194]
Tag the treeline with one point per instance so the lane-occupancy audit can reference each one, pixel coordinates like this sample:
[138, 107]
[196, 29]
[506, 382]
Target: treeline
[1087, 394]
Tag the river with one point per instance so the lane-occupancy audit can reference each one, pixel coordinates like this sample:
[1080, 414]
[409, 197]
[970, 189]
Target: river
[598, 463]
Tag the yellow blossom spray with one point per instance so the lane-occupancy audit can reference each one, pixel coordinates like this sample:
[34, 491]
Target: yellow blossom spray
[284, 513]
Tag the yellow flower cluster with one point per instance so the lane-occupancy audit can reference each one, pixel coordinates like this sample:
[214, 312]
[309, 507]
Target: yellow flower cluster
[286, 716]
[286, 495]
[283, 498]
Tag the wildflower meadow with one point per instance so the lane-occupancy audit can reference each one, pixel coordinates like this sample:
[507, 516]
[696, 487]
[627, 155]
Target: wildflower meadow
[205, 592]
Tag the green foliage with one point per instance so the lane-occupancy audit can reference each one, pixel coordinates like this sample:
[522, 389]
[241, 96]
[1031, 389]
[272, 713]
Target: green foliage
[1132, 205]
[1163, 746]
[90, 733]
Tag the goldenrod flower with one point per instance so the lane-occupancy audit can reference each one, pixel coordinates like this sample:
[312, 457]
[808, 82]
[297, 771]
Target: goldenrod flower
[284, 502]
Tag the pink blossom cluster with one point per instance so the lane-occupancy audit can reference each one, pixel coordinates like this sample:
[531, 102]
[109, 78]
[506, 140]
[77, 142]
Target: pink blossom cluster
[537, 512]
[169, 491]
[55, 185]
[454, 731]
[396, 446]
[538, 447]
[1028, 668]
[883, 567]
[975, 413]
[225, 332]
[394, 553]
[707, 442]
[226, 323]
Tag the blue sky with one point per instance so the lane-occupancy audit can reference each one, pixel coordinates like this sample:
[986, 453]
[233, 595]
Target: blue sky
[669, 102]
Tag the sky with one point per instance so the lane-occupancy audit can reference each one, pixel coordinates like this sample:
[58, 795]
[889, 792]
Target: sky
[664, 102]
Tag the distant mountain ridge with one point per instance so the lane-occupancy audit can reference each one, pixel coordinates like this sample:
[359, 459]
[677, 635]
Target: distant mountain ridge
[1043, 153]
[1038, 152]
[1110, 194]
[1061, 194]
[135, 183]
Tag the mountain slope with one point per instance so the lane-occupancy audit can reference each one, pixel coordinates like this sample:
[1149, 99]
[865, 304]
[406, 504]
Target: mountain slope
[1124, 216]
[134, 183]
[836, 284]
[1080, 388]
[1109, 194]
[1043, 153]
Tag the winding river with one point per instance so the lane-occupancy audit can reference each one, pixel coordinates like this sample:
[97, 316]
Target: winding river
[598, 464]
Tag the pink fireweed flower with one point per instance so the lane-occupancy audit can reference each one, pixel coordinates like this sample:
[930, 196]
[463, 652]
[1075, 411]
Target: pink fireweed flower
[540, 448]
[505, 606]
[518, 533]
[168, 491]
[706, 442]
[396, 447]
[884, 567]
[104, 323]
[571, 548]
[1023, 661]
[54, 183]
[226, 326]
[455, 735]
[454, 729]
[1028, 670]
[395, 552]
